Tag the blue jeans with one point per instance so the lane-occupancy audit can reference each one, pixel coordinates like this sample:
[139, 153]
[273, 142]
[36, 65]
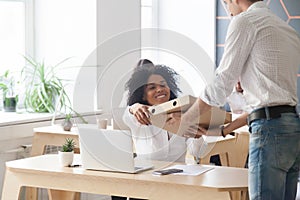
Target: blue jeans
[274, 158]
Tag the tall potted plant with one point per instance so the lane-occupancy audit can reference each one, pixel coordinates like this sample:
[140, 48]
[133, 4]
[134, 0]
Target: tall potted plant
[45, 89]
[7, 85]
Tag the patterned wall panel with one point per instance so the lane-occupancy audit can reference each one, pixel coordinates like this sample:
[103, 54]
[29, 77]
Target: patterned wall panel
[275, 5]
[288, 10]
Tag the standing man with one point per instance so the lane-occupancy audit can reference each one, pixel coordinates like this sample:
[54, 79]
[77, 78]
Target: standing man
[263, 52]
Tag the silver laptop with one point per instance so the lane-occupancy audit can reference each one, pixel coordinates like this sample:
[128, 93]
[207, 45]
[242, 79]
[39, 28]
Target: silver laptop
[108, 150]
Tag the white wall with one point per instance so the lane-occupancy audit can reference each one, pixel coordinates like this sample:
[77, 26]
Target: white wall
[195, 20]
[118, 37]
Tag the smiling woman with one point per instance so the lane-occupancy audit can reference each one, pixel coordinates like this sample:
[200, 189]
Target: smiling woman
[157, 90]
[146, 79]
[148, 86]
[153, 85]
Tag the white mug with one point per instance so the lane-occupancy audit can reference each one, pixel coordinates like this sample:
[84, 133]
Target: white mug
[102, 123]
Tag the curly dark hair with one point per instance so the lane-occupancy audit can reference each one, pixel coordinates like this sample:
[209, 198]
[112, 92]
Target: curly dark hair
[136, 84]
[143, 62]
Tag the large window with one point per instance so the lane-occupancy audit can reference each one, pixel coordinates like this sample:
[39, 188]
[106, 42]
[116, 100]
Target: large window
[48, 31]
[65, 28]
[13, 35]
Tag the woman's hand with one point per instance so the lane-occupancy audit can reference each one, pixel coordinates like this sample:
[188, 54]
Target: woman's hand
[189, 129]
[186, 128]
[173, 115]
[210, 131]
[141, 113]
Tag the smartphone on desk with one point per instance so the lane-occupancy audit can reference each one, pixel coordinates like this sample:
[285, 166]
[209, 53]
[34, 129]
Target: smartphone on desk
[167, 171]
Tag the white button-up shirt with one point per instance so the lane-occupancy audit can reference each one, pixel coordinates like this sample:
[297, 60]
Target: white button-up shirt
[261, 51]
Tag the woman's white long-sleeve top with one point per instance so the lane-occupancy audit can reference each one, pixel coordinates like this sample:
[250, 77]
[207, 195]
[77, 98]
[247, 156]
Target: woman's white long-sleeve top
[154, 143]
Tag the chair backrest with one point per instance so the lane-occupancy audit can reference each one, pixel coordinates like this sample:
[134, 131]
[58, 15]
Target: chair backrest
[233, 152]
[238, 155]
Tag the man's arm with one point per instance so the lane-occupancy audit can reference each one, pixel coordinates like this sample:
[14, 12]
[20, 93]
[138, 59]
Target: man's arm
[190, 128]
[235, 124]
[197, 109]
[188, 122]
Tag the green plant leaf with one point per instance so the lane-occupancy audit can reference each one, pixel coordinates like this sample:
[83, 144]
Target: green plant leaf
[69, 145]
[45, 87]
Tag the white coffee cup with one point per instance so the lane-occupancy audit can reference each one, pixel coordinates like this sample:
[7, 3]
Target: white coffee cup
[102, 123]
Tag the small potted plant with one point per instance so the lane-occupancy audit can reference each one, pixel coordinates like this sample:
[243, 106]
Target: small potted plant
[67, 152]
[67, 123]
[7, 85]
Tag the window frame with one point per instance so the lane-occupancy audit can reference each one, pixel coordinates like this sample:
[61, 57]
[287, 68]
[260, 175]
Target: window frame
[29, 28]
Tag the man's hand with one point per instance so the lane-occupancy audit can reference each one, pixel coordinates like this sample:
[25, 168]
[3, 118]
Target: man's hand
[210, 131]
[185, 127]
[173, 117]
[141, 113]
[196, 131]
[189, 129]
[188, 123]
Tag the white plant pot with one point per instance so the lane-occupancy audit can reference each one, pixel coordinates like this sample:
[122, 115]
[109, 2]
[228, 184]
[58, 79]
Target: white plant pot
[65, 158]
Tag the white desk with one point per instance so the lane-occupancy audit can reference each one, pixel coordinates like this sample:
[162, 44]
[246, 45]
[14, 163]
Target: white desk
[45, 172]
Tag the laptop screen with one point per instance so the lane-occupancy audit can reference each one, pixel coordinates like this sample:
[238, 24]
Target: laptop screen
[103, 149]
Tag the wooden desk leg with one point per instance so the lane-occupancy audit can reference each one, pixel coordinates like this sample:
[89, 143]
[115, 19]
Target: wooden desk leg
[11, 187]
[31, 193]
[239, 195]
[244, 195]
[63, 195]
[234, 195]
[38, 148]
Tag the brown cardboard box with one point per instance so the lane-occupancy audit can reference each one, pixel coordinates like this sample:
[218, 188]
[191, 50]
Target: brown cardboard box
[213, 118]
